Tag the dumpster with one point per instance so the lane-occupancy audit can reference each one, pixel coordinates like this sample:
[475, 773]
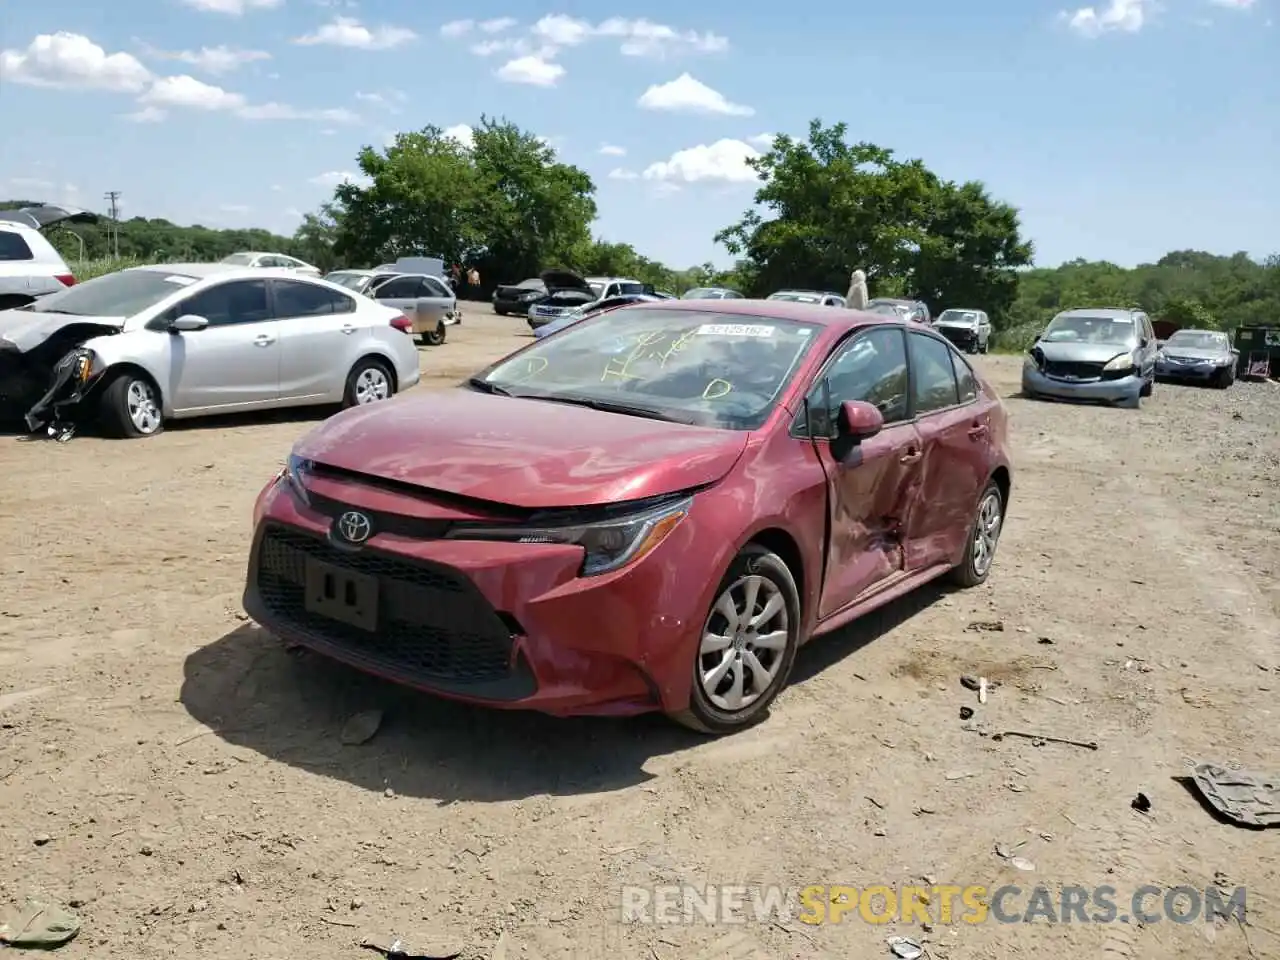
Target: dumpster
[1258, 347]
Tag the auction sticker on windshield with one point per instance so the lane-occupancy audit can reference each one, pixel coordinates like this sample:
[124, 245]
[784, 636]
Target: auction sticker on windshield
[735, 330]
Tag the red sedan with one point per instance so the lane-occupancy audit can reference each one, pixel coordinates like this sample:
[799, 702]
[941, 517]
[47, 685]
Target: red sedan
[652, 509]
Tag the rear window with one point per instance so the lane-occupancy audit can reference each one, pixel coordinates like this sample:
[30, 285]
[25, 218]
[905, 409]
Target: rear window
[239, 259]
[13, 246]
[627, 288]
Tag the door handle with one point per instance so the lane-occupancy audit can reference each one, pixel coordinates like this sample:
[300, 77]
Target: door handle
[263, 340]
[978, 430]
[348, 328]
[911, 456]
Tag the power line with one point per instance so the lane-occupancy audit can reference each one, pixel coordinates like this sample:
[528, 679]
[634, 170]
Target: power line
[112, 196]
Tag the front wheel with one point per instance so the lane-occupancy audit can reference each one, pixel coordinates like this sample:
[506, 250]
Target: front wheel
[1225, 378]
[368, 382]
[130, 407]
[435, 337]
[984, 536]
[1148, 388]
[747, 646]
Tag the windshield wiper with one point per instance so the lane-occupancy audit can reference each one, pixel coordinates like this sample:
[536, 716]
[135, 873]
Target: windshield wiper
[608, 406]
[486, 387]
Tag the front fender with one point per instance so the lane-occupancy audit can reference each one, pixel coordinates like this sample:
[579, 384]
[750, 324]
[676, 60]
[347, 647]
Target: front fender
[115, 353]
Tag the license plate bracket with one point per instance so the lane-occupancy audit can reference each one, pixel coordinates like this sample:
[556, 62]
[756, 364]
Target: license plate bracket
[341, 594]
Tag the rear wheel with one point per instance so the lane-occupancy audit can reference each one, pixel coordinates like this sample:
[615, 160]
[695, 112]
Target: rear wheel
[369, 381]
[13, 301]
[747, 645]
[130, 407]
[984, 536]
[435, 337]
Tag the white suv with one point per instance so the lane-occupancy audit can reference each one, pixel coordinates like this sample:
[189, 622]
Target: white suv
[29, 266]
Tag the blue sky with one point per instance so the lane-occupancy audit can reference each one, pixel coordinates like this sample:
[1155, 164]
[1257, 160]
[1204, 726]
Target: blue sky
[1122, 131]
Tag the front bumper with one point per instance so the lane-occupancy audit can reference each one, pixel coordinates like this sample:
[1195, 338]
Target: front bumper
[962, 337]
[1187, 371]
[1035, 383]
[507, 625]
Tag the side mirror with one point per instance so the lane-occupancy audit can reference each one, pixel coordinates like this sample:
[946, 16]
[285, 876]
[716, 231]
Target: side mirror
[188, 323]
[860, 420]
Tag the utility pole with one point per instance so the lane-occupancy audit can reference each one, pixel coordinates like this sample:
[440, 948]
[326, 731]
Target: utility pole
[112, 197]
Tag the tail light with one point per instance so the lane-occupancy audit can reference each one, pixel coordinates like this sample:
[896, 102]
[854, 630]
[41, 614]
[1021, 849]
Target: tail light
[66, 279]
[403, 324]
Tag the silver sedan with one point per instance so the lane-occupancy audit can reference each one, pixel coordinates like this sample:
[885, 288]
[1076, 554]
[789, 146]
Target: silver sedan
[149, 344]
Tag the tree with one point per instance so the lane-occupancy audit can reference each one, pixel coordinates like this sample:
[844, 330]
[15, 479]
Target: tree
[314, 239]
[837, 207]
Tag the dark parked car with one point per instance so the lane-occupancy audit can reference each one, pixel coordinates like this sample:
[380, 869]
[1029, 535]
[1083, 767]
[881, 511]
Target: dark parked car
[591, 309]
[517, 298]
[1100, 354]
[1203, 356]
[665, 503]
[566, 292]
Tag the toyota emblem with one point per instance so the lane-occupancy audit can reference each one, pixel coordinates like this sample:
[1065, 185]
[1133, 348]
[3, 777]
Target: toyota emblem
[354, 527]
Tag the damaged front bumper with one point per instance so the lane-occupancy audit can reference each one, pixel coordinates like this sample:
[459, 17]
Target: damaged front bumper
[43, 397]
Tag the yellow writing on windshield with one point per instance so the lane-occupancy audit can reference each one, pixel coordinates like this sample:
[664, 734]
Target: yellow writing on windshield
[619, 368]
[716, 389]
[532, 367]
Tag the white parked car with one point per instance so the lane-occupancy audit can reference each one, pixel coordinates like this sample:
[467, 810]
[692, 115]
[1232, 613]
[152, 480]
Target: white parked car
[176, 340]
[255, 259]
[29, 265]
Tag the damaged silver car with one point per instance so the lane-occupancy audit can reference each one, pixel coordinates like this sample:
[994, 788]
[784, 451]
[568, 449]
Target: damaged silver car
[137, 347]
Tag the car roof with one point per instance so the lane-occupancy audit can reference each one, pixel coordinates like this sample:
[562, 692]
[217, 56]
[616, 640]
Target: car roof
[782, 310]
[202, 270]
[1117, 313]
[610, 279]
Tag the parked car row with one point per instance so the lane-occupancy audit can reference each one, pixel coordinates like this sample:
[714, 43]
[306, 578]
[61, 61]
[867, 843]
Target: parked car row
[705, 470]
[414, 285]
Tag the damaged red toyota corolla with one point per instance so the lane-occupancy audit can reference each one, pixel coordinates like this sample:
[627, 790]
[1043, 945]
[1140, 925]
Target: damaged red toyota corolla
[650, 510]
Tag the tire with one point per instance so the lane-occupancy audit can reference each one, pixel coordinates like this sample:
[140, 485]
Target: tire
[130, 408]
[435, 337]
[775, 580]
[1225, 379]
[979, 551]
[13, 301]
[369, 381]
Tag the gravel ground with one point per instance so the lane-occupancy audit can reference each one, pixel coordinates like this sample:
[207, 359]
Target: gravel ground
[180, 777]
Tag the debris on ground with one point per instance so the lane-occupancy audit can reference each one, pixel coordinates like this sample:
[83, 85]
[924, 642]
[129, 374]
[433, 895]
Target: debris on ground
[1141, 803]
[393, 948]
[1243, 796]
[361, 728]
[1006, 854]
[39, 926]
[966, 713]
[1040, 739]
[986, 626]
[904, 948]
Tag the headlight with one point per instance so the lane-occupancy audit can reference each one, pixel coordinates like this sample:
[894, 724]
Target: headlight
[609, 544]
[1029, 363]
[81, 361]
[1122, 362]
[531, 295]
[296, 469]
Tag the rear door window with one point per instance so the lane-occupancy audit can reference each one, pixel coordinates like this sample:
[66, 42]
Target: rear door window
[933, 376]
[400, 288]
[13, 246]
[296, 299]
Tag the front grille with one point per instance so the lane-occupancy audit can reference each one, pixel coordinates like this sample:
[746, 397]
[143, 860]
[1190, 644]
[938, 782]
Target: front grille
[1069, 370]
[958, 335]
[433, 624]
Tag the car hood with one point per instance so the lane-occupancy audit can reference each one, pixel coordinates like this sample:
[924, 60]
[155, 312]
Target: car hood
[41, 215]
[1076, 351]
[957, 324]
[25, 330]
[564, 280]
[1194, 353]
[530, 454]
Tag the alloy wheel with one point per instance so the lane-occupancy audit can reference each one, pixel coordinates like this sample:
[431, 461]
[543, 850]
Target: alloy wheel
[986, 533]
[144, 411]
[371, 385]
[743, 643]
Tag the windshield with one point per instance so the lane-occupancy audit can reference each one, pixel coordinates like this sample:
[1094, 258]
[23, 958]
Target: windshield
[114, 294]
[631, 288]
[696, 367]
[1197, 340]
[702, 293]
[240, 259]
[352, 281]
[596, 288]
[1077, 329]
[796, 297]
[958, 316]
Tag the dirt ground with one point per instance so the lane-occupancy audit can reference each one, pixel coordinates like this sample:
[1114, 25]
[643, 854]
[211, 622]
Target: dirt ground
[178, 777]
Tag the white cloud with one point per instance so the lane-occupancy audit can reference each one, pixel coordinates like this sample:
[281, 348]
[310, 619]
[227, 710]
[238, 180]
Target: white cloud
[72, 61]
[190, 93]
[350, 32]
[609, 150]
[334, 177]
[215, 60]
[618, 173]
[561, 31]
[532, 70]
[1123, 16]
[233, 8]
[235, 208]
[644, 38]
[276, 188]
[463, 134]
[146, 115]
[283, 111]
[724, 161]
[389, 100]
[457, 28]
[684, 94]
[1233, 4]
[30, 183]
[497, 25]
[763, 140]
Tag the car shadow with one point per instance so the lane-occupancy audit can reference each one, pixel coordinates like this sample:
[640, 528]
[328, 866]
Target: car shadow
[255, 418]
[290, 705]
[829, 649]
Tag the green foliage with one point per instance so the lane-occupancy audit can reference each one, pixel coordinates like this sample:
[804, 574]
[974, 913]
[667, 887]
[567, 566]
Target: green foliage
[1186, 287]
[837, 206]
